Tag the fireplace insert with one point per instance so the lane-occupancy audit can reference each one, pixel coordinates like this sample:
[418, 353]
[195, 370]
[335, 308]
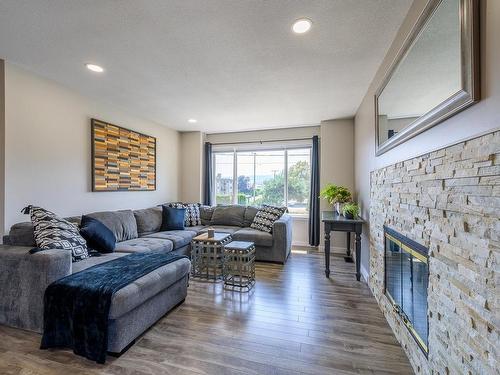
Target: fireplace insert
[406, 281]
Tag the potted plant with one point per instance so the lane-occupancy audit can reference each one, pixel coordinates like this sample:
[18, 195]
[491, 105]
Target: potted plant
[336, 195]
[350, 210]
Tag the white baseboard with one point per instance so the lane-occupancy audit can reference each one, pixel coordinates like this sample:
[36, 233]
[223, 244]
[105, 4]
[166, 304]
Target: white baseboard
[321, 248]
[301, 244]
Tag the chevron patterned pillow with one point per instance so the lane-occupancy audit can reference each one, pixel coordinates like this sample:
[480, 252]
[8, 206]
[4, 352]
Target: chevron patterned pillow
[53, 232]
[266, 216]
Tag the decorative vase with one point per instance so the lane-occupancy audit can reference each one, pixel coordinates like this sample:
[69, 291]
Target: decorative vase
[339, 207]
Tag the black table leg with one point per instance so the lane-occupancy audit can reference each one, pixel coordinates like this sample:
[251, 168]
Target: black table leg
[358, 256]
[327, 252]
[348, 244]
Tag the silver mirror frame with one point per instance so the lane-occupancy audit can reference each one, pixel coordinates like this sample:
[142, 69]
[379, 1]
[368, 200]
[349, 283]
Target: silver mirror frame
[465, 97]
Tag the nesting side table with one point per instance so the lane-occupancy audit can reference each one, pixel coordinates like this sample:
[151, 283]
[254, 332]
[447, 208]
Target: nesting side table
[239, 266]
[207, 256]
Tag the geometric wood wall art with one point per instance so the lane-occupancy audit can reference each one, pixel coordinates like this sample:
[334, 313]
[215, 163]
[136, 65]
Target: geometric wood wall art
[122, 159]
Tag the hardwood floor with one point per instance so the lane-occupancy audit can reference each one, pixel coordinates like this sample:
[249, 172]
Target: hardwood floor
[294, 322]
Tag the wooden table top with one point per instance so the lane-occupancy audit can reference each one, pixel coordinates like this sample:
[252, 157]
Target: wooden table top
[218, 237]
[334, 217]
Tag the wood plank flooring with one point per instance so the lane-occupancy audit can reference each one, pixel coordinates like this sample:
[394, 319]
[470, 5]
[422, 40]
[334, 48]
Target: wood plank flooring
[294, 322]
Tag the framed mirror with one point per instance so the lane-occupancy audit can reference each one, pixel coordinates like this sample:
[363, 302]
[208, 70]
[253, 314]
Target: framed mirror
[434, 75]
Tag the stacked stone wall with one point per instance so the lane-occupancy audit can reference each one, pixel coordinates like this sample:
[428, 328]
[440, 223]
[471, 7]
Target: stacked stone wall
[449, 201]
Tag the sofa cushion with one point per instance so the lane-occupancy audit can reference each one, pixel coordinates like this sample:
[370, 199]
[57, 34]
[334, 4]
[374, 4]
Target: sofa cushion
[141, 290]
[53, 232]
[228, 215]
[94, 260]
[206, 213]
[198, 229]
[121, 223]
[97, 235]
[77, 220]
[222, 228]
[180, 238]
[253, 235]
[143, 245]
[249, 215]
[21, 234]
[148, 220]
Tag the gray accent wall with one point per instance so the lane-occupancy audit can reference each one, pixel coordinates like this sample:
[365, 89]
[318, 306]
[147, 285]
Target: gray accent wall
[337, 167]
[479, 119]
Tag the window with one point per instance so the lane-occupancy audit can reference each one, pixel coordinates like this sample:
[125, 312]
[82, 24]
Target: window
[275, 177]
[224, 166]
[299, 180]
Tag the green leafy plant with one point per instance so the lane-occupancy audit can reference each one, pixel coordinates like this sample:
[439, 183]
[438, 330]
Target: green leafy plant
[350, 210]
[335, 194]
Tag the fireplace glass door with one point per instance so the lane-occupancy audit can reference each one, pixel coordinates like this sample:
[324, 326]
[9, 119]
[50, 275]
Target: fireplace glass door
[406, 280]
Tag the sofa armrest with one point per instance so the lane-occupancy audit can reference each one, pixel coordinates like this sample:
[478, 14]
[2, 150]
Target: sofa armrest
[23, 280]
[282, 236]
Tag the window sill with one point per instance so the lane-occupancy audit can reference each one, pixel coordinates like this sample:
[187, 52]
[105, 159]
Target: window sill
[299, 216]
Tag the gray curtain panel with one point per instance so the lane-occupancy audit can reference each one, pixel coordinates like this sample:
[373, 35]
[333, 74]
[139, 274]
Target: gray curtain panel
[314, 222]
[207, 197]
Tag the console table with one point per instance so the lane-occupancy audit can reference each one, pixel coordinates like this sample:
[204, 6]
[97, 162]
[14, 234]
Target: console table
[334, 222]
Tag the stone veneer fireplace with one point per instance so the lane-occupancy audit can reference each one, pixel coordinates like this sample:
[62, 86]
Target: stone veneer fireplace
[447, 201]
[406, 274]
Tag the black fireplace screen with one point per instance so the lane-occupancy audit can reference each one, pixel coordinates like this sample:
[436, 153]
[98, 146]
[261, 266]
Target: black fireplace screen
[406, 280]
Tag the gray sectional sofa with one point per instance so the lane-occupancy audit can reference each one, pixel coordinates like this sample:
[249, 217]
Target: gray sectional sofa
[24, 276]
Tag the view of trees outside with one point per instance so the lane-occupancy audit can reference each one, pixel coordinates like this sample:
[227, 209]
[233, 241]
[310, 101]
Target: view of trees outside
[264, 171]
[224, 177]
[299, 180]
[261, 178]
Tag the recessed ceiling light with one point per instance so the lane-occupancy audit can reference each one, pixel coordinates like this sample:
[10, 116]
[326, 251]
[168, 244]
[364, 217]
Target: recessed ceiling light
[302, 26]
[94, 68]
[192, 121]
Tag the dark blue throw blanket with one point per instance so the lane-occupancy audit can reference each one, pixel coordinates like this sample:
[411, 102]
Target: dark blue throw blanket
[76, 307]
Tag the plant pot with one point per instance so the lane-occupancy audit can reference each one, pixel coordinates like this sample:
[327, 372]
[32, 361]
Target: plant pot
[339, 207]
[349, 216]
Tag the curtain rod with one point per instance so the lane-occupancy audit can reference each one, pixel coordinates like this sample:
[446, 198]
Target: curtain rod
[250, 142]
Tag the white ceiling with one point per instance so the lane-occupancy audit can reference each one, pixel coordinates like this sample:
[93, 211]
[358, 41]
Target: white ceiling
[231, 64]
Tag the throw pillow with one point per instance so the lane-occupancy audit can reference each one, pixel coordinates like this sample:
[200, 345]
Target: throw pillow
[173, 218]
[265, 218]
[53, 232]
[98, 236]
[193, 216]
[192, 213]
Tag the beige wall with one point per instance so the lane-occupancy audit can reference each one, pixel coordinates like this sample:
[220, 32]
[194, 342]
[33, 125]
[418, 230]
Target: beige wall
[48, 150]
[267, 135]
[191, 167]
[336, 162]
[336, 165]
[300, 225]
[478, 119]
[2, 149]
